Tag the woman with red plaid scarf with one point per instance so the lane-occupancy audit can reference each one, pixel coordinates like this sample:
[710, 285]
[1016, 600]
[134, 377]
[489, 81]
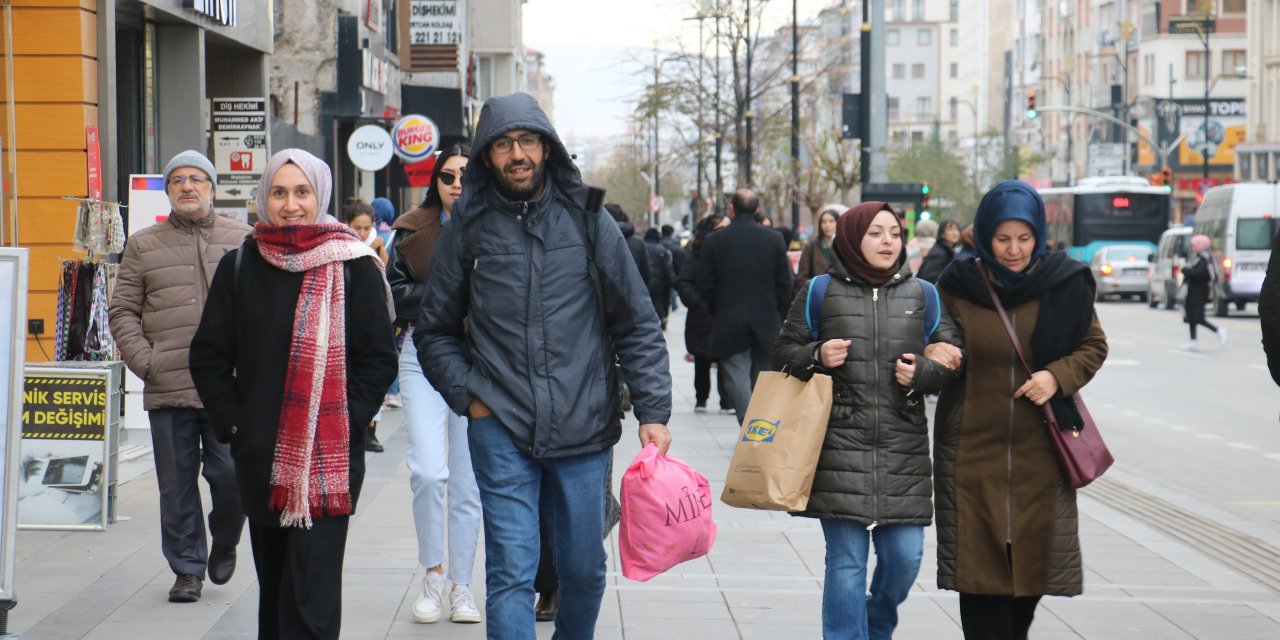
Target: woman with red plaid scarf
[292, 358]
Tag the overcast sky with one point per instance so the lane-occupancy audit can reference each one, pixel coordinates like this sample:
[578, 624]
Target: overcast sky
[592, 48]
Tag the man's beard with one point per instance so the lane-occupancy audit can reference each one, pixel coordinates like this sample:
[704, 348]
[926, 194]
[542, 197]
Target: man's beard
[512, 191]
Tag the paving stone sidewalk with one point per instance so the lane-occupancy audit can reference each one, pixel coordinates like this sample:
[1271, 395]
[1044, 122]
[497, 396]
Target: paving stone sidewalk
[762, 581]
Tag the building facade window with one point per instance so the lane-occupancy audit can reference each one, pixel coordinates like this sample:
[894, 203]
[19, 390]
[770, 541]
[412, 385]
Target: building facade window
[924, 37]
[955, 70]
[899, 71]
[1233, 62]
[1197, 65]
[1233, 6]
[955, 10]
[899, 9]
[917, 136]
[891, 37]
[955, 37]
[917, 9]
[917, 71]
[955, 108]
[484, 78]
[924, 106]
[893, 107]
[953, 137]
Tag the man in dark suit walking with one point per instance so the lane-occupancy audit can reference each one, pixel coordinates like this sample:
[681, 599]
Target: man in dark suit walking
[745, 279]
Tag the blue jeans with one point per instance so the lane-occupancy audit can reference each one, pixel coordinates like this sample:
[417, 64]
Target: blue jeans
[573, 494]
[847, 612]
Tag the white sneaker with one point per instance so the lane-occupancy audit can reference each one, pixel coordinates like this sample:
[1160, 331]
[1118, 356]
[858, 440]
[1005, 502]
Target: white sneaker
[393, 401]
[463, 604]
[1191, 346]
[1222, 336]
[427, 608]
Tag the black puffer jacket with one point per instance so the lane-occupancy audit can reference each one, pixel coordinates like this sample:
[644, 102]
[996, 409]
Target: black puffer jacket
[874, 466]
[537, 352]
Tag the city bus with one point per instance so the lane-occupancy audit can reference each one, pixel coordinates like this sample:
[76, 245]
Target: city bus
[1102, 211]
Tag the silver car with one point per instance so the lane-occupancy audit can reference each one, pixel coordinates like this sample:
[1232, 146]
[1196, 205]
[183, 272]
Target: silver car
[1122, 270]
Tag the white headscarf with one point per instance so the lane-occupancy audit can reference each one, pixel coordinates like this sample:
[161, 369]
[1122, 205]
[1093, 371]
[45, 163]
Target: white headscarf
[317, 173]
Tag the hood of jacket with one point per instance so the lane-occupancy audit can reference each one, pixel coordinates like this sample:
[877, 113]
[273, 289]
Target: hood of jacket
[508, 113]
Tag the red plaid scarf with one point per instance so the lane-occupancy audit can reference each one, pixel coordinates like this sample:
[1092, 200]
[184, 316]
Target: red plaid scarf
[310, 470]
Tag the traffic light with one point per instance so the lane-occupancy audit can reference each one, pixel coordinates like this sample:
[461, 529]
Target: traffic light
[1156, 179]
[1031, 104]
[924, 201]
[1166, 175]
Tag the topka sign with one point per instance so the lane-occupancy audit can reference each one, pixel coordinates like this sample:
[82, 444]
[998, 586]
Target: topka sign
[416, 138]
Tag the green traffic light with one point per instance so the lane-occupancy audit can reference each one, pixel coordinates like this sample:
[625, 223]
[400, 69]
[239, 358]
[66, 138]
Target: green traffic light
[924, 189]
[925, 215]
[1031, 114]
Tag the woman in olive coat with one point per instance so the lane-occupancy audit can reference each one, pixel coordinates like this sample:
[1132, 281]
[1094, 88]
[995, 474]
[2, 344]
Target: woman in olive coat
[1007, 522]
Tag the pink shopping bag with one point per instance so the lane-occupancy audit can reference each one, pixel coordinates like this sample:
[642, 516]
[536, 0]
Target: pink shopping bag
[666, 515]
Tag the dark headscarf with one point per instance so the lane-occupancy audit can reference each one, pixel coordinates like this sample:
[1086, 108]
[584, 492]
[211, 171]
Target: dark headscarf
[1009, 200]
[850, 228]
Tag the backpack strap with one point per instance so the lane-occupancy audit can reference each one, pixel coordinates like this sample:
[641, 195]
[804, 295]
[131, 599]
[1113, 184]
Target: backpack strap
[932, 309]
[813, 309]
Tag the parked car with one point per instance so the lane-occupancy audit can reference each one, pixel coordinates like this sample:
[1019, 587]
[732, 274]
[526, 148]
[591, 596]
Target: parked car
[1240, 220]
[1166, 267]
[1122, 270]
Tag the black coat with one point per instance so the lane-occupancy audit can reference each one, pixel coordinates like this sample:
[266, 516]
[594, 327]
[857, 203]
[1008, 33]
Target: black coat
[638, 251]
[697, 322]
[661, 266]
[240, 356]
[745, 279]
[1269, 311]
[677, 252]
[939, 256]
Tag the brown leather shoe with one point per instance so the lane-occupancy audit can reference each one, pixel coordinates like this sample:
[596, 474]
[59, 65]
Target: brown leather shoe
[185, 589]
[548, 603]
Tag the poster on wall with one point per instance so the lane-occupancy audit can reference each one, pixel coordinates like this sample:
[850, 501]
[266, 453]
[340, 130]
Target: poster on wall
[65, 450]
[13, 320]
[239, 133]
[1226, 127]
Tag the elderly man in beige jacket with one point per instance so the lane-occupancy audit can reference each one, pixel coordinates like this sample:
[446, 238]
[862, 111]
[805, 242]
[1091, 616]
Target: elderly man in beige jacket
[165, 273]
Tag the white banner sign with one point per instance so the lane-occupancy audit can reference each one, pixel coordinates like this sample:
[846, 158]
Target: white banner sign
[435, 22]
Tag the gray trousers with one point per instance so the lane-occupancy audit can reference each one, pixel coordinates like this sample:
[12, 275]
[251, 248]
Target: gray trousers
[182, 440]
[740, 371]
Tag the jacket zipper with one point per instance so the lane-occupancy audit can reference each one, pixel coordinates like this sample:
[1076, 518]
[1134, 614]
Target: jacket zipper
[875, 433]
[1008, 489]
[528, 310]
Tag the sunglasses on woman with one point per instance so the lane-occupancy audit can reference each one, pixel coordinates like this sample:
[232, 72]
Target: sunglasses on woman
[448, 178]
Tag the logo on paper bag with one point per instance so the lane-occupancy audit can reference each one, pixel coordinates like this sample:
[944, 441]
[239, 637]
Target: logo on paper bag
[761, 430]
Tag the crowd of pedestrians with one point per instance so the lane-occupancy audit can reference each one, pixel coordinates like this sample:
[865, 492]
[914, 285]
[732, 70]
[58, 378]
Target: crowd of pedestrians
[520, 317]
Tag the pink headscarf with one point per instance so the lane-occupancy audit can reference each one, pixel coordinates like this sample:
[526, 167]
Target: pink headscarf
[1199, 243]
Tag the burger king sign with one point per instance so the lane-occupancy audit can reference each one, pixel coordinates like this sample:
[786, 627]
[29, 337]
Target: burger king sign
[416, 138]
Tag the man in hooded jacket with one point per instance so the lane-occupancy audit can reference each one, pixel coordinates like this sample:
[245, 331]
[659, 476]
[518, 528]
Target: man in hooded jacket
[552, 300]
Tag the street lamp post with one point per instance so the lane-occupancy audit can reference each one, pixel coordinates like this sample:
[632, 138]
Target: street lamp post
[795, 117]
[702, 63]
[1071, 160]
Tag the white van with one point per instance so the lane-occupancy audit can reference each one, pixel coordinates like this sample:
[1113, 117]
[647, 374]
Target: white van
[1241, 221]
[1166, 267]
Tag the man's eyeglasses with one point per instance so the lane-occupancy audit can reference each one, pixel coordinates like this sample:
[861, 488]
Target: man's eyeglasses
[196, 180]
[449, 178]
[528, 142]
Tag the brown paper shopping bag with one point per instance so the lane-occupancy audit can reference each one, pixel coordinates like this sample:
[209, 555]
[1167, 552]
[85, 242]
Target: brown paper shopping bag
[779, 443]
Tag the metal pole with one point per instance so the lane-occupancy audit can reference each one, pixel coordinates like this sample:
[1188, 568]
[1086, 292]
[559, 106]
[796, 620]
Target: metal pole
[1204, 151]
[747, 96]
[1071, 159]
[719, 194]
[864, 42]
[702, 93]
[657, 185]
[795, 116]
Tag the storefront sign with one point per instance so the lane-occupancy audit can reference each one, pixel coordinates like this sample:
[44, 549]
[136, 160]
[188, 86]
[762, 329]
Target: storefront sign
[369, 147]
[94, 165]
[435, 22]
[416, 138]
[239, 132]
[66, 442]
[224, 12]
[1185, 116]
[374, 72]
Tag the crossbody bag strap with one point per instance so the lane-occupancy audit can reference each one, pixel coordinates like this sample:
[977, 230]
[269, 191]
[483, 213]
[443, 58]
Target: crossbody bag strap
[1004, 317]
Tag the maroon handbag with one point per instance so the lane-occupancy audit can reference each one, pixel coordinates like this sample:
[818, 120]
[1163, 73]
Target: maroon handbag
[1082, 454]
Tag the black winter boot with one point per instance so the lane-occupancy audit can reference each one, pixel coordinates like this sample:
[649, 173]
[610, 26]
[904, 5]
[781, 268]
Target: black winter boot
[371, 441]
